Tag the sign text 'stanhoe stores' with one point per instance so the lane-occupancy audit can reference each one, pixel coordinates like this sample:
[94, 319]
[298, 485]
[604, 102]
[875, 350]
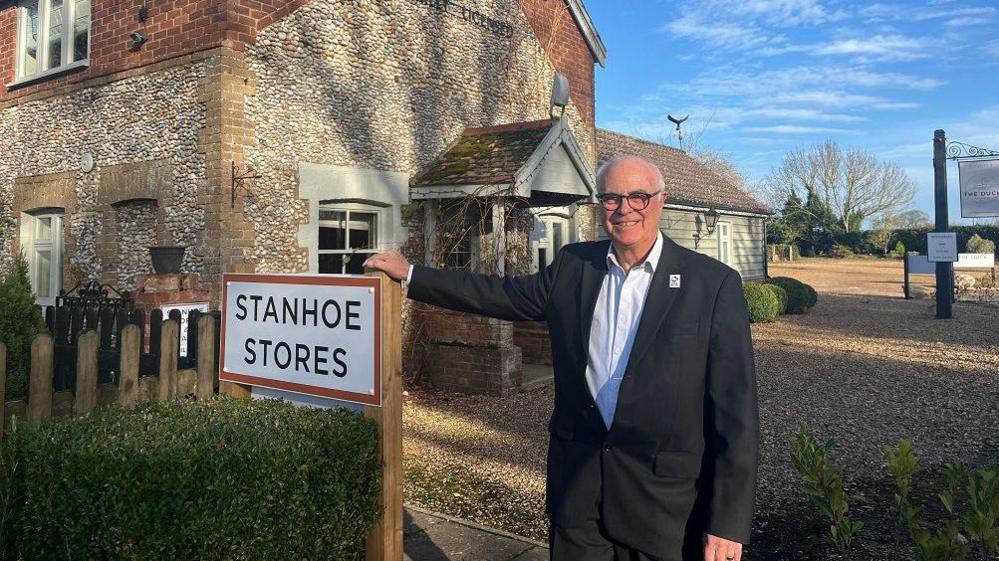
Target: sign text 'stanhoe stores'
[310, 334]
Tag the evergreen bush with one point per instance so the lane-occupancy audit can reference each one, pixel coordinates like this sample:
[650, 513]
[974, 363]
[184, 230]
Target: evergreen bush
[800, 297]
[20, 321]
[977, 244]
[763, 304]
[188, 481]
[900, 249]
[781, 295]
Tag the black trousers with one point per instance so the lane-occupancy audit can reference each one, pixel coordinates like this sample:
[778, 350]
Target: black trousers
[589, 543]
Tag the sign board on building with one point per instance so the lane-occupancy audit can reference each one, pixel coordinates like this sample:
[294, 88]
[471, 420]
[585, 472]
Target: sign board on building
[941, 247]
[185, 309]
[316, 335]
[979, 188]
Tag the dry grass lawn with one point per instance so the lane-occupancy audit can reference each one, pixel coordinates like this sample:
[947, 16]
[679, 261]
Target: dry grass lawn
[864, 367]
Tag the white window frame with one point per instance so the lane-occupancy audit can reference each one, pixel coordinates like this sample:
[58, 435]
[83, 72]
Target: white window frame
[42, 55]
[32, 246]
[724, 235]
[381, 217]
[548, 242]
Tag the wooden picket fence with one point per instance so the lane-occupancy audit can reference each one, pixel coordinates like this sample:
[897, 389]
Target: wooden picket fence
[133, 377]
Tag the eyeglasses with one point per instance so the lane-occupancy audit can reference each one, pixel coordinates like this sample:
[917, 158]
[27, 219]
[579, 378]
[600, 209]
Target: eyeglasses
[637, 200]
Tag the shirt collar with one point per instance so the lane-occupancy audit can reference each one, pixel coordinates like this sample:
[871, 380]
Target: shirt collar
[650, 263]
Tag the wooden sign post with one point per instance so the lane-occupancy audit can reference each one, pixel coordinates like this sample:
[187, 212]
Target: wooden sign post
[263, 314]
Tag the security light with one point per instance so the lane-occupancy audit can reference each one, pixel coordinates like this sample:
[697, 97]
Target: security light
[138, 38]
[560, 94]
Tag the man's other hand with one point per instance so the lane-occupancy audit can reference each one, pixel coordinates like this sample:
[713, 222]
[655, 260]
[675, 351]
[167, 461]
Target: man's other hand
[392, 263]
[720, 549]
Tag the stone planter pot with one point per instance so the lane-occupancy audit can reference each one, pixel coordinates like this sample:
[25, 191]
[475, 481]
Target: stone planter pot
[167, 258]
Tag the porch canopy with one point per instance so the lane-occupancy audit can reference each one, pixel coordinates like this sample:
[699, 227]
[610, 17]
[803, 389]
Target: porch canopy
[537, 161]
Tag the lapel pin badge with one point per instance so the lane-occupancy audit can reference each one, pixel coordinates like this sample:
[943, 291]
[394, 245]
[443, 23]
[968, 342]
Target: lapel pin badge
[674, 281]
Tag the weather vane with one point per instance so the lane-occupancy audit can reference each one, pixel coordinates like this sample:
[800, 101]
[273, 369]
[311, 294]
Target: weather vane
[678, 122]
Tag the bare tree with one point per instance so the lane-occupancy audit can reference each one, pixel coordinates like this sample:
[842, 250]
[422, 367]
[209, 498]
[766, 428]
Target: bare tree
[911, 219]
[853, 184]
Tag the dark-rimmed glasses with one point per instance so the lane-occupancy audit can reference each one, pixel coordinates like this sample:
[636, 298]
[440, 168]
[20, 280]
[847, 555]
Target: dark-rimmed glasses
[637, 200]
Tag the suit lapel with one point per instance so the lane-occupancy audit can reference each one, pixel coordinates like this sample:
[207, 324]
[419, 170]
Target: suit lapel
[658, 302]
[594, 270]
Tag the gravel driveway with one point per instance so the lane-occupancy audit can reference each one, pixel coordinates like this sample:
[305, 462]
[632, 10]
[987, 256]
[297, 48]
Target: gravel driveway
[864, 368]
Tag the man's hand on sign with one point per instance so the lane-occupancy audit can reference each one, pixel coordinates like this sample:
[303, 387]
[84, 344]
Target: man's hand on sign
[392, 263]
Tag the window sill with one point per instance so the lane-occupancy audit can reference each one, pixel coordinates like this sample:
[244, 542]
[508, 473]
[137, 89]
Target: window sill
[49, 74]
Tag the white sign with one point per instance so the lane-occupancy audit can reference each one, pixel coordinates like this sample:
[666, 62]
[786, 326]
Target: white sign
[185, 309]
[920, 265]
[310, 334]
[979, 188]
[941, 246]
[975, 261]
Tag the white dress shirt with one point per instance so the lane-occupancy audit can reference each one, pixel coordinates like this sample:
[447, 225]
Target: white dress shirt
[615, 323]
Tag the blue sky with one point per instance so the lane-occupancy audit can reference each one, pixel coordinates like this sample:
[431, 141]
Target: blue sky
[762, 77]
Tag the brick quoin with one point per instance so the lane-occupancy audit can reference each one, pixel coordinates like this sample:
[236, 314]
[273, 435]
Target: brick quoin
[174, 28]
[569, 54]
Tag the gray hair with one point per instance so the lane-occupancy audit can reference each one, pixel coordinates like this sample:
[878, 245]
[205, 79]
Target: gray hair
[616, 159]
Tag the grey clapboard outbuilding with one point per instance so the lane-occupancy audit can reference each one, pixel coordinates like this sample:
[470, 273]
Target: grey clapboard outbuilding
[694, 191]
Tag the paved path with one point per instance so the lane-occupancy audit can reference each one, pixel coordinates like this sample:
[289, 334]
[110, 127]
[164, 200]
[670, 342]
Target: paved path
[430, 536]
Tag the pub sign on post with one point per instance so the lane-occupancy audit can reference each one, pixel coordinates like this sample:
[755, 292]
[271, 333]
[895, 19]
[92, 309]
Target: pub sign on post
[316, 335]
[979, 188]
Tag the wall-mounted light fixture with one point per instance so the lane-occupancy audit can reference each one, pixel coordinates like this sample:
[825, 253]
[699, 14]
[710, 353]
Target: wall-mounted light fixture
[711, 220]
[560, 95]
[138, 38]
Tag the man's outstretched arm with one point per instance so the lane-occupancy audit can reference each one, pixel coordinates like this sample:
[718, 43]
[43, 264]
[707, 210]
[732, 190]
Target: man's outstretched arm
[510, 298]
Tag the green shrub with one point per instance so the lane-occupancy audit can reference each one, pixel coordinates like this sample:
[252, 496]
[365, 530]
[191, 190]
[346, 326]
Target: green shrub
[977, 244]
[823, 484]
[799, 297]
[841, 251]
[20, 321]
[762, 303]
[813, 296]
[224, 480]
[900, 249]
[781, 295]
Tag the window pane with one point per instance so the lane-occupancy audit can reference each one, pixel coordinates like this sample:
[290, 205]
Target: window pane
[81, 29]
[556, 236]
[362, 230]
[331, 263]
[55, 34]
[31, 38]
[43, 229]
[542, 258]
[333, 229]
[43, 273]
[355, 265]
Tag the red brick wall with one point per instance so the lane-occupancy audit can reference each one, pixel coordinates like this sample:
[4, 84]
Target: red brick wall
[174, 27]
[532, 338]
[569, 53]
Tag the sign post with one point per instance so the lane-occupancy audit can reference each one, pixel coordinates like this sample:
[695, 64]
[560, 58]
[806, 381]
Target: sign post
[336, 339]
[945, 273]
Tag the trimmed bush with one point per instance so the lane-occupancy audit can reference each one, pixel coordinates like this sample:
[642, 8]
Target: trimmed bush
[781, 295]
[800, 296]
[841, 251]
[185, 481]
[762, 303]
[20, 321]
[977, 244]
[899, 249]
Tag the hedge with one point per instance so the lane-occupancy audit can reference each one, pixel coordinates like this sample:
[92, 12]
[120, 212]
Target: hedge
[184, 481]
[781, 295]
[800, 296]
[762, 303]
[915, 239]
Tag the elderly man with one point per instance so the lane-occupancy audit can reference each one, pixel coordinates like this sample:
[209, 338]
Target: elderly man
[654, 435]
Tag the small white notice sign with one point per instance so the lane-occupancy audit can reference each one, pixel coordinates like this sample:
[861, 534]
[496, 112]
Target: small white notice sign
[185, 310]
[941, 247]
[316, 335]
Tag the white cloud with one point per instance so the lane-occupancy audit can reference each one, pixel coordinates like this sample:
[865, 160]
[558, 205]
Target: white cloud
[831, 98]
[967, 21]
[788, 114]
[878, 47]
[796, 129]
[721, 34]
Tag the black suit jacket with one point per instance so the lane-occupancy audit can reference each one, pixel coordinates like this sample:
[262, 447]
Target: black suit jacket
[686, 425]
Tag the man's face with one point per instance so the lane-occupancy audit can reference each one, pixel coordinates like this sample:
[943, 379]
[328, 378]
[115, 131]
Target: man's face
[627, 226]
